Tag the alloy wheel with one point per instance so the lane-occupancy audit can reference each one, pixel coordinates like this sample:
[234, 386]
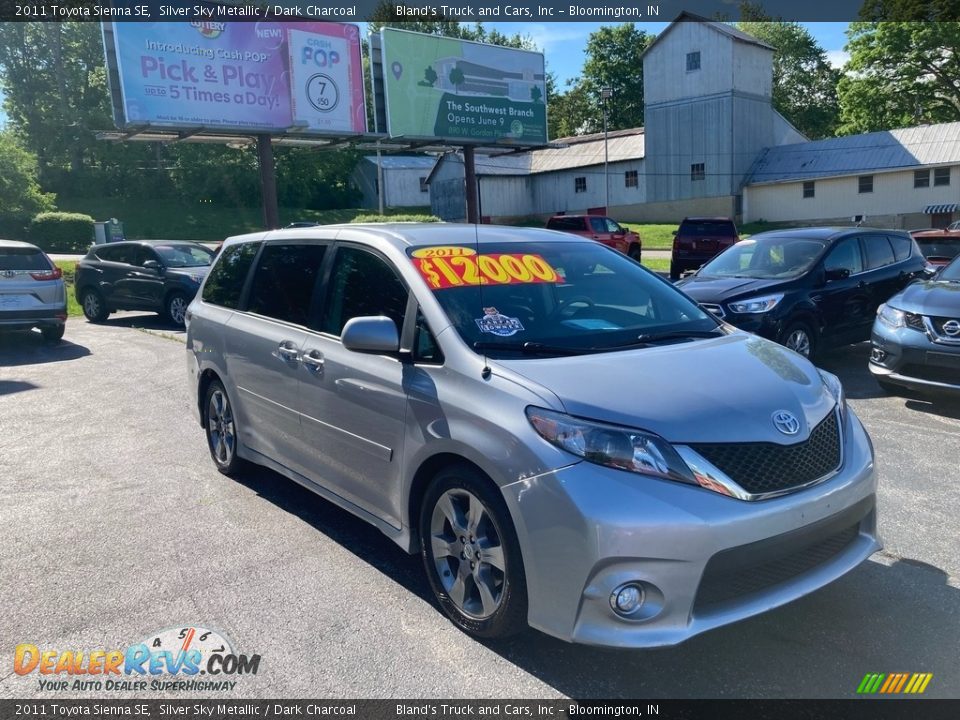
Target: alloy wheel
[221, 431]
[178, 309]
[799, 342]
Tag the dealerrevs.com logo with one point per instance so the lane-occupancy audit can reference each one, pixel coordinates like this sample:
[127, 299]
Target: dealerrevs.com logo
[189, 659]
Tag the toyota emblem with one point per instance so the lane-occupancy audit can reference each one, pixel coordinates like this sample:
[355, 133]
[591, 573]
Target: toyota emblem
[952, 328]
[786, 422]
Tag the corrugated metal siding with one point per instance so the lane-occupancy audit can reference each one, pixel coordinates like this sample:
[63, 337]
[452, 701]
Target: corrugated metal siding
[858, 154]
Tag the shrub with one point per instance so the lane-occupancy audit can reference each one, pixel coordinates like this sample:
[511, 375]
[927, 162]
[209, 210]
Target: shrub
[62, 231]
[374, 218]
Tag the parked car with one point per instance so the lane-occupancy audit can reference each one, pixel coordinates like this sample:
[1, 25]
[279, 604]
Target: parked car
[602, 229]
[916, 336]
[32, 293]
[938, 246]
[499, 430]
[807, 288]
[697, 240]
[160, 276]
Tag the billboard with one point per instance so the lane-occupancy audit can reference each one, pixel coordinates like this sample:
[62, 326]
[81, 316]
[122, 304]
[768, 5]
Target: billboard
[270, 77]
[461, 91]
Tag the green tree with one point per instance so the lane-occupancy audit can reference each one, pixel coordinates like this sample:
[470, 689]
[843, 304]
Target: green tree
[457, 78]
[613, 59]
[900, 74]
[20, 194]
[535, 94]
[430, 75]
[804, 83]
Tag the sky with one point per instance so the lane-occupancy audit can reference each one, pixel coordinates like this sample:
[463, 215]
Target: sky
[563, 43]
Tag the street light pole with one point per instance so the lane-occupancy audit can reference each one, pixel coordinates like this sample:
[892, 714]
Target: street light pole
[605, 94]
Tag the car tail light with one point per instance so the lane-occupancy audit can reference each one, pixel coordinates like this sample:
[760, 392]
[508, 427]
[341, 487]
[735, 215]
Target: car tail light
[54, 274]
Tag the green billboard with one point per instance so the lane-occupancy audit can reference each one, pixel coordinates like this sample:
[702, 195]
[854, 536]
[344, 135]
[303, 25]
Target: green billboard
[461, 91]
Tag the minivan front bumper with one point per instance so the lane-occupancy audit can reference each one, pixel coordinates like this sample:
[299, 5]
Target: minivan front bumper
[702, 559]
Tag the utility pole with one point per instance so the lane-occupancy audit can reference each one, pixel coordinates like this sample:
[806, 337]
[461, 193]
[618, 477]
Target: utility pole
[605, 94]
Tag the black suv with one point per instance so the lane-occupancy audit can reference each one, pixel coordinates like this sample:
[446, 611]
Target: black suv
[808, 288]
[160, 276]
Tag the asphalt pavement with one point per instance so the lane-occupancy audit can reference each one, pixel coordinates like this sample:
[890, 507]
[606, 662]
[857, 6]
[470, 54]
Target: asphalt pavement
[114, 525]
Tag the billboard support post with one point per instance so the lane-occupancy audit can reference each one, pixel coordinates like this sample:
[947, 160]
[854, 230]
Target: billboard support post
[470, 184]
[268, 182]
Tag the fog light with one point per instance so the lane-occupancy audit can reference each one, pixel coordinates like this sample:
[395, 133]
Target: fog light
[877, 355]
[626, 599]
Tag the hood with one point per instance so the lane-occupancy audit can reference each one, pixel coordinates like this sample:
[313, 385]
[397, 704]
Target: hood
[712, 289]
[715, 390]
[929, 297]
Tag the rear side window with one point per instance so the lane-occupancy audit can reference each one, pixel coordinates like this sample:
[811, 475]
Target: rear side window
[879, 252]
[598, 225]
[565, 223]
[118, 253]
[901, 246]
[225, 282]
[21, 258]
[284, 280]
[362, 284]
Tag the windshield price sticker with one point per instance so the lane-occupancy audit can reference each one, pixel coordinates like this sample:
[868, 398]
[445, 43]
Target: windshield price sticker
[442, 271]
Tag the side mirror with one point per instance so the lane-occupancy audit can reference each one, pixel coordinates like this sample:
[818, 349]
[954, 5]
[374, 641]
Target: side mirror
[674, 232]
[152, 265]
[837, 274]
[375, 334]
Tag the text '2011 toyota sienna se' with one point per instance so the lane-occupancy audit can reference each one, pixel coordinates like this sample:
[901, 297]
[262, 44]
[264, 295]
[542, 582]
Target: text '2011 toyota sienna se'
[567, 440]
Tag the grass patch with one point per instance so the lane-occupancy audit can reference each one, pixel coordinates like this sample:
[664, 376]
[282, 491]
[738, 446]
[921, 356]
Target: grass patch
[203, 222]
[656, 264]
[654, 237]
[69, 269]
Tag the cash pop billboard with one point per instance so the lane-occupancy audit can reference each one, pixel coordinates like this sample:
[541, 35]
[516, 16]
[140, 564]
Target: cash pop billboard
[437, 87]
[241, 76]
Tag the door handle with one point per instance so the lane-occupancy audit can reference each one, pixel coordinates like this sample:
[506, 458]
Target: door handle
[287, 352]
[313, 361]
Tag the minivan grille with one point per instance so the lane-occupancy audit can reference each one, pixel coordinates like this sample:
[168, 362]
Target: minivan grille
[761, 468]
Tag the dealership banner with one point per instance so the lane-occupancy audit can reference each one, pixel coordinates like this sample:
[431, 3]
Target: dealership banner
[451, 89]
[269, 76]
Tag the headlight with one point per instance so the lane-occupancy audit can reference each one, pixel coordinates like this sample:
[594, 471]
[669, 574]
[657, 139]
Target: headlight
[611, 445]
[890, 316]
[196, 278]
[835, 387]
[756, 305]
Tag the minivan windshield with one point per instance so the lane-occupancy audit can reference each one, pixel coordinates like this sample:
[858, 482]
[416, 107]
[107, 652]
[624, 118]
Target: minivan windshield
[765, 258]
[550, 298]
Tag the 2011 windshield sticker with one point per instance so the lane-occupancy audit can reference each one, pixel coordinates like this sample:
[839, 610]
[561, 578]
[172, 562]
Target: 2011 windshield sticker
[449, 267]
[496, 324]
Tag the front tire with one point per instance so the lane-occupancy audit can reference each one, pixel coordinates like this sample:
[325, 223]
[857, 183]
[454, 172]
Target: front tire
[221, 429]
[800, 338]
[175, 309]
[471, 554]
[94, 306]
[635, 252]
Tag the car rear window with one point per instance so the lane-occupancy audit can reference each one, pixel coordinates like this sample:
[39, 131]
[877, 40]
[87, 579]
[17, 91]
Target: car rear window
[23, 259]
[940, 247]
[721, 228]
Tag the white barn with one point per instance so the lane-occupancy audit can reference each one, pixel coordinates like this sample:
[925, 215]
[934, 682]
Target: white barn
[404, 180]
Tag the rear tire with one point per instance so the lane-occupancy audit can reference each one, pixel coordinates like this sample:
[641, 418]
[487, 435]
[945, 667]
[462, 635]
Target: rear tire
[175, 308]
[220, 424]
[800, 338]
[471, 554]
[53, 335]
[94, 306]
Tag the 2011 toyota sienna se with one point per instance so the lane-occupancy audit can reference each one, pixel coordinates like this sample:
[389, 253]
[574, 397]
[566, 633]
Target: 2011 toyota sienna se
[567, 440]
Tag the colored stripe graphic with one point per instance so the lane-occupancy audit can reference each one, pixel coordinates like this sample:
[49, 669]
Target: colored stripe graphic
[894, 683]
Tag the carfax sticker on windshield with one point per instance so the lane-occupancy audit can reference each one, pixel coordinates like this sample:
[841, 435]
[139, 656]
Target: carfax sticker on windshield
[447, 267]
[496, 324]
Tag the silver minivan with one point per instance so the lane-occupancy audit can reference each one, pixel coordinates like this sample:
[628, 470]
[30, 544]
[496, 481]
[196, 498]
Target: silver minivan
[32, 291]
[568, 441]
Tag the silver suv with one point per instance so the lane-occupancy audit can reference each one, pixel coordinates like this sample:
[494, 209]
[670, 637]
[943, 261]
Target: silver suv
[567, 440]
[32, 293]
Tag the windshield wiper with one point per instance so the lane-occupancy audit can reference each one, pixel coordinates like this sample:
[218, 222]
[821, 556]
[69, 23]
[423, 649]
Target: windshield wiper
[533, 348]
[652, 338]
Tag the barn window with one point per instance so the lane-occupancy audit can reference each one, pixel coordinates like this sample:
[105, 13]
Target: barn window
[580, 184]
[423, 185]
[921, 178]
[630, 179]
[693, 61]
[941, 176]
[809, 189]
[865, 184]
[697, 171]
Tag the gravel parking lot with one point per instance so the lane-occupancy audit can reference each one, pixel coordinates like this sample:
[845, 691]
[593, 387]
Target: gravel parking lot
[114, 524]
